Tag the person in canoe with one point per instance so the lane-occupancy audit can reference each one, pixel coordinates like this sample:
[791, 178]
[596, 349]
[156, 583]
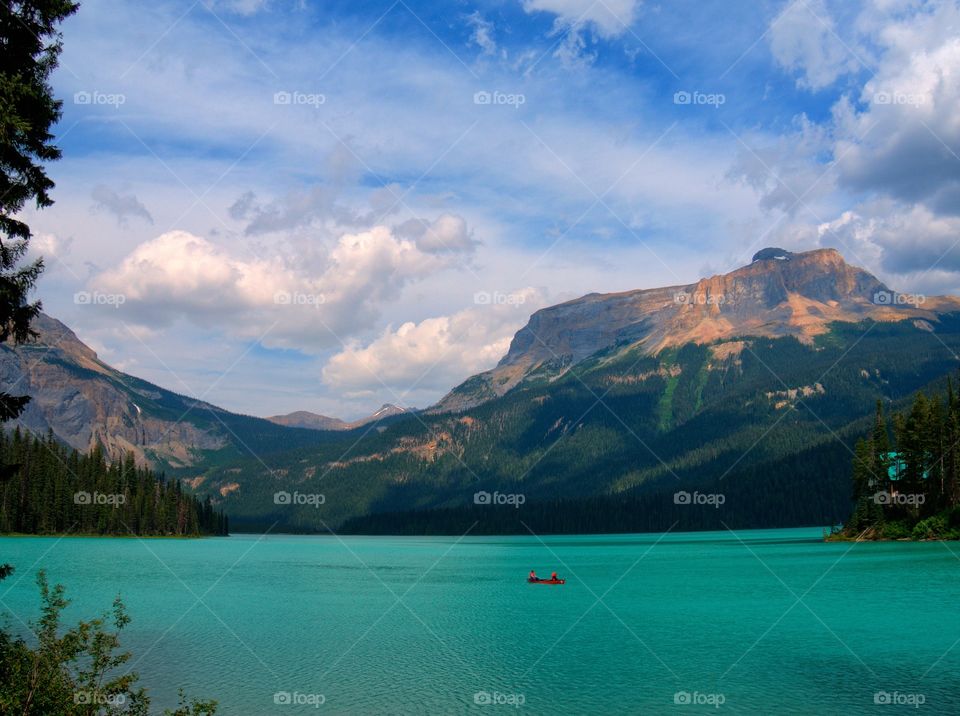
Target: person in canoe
[554, 577]
[533, 576]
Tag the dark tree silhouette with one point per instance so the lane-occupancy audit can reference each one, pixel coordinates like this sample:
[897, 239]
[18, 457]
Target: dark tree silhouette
[30, 45]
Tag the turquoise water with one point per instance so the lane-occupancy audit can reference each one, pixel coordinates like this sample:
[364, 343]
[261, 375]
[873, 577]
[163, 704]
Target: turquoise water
[766, 622]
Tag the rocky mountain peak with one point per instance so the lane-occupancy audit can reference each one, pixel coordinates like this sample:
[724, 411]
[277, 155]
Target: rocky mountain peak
[780, 293]
[772, 254]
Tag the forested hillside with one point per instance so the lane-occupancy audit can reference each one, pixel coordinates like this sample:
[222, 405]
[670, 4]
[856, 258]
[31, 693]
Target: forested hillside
[50, 489]
[771, 420]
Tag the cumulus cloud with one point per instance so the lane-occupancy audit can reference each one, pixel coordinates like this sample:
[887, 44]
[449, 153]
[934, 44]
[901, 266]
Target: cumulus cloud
[182, 276]
[120, 206]
[884, 164]
[610, 18]
[435, 353]
[904, 240]
[179, 274]
[50, 246]
[447, 233]
[804, 40]
[904, 141]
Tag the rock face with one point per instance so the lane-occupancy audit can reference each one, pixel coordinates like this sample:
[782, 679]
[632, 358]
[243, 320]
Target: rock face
[85, 402]
[778, 294]
[772, 253]
[315, 421]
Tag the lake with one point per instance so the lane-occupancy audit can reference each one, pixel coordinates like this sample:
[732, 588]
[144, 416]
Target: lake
[765, 621]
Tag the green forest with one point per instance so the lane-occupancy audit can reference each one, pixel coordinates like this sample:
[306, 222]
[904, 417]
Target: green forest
[906, 473]
[49, 489]
[683, 419]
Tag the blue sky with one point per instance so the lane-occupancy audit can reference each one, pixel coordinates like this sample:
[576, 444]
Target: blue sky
[284, 205]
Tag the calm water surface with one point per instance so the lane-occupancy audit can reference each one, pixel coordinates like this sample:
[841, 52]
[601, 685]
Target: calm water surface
[770, 621]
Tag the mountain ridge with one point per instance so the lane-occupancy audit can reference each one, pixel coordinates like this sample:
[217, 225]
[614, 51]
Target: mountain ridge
[778, 294]
[658, 404]
[87, 403]
[315, 421]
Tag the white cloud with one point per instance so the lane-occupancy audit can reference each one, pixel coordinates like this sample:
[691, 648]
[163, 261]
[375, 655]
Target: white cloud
[910, 241]
[239, 7]
[572, 52]
[804, 40]
[482, 35]
[446, 233]
[404, 112]
[182, 276]
[49, 246]
[884, 165]
[903, 143]
[610, 18]
[786, 171]
[436, 353]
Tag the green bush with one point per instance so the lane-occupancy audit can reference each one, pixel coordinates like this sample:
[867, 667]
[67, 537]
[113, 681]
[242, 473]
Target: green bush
[73, 672]
[895, 530]
[930, 528]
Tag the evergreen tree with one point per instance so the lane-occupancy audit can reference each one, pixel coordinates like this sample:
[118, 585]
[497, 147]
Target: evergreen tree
[922, 482]
[30, 47]
[56, 490]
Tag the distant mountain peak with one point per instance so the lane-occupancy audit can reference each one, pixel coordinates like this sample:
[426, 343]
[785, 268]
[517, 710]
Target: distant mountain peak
[314, 421]
[388, 409]
[771, 254]
[780, 293]
[306, 419]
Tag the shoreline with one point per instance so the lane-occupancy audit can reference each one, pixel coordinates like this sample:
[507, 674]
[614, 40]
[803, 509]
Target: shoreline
[62, 535]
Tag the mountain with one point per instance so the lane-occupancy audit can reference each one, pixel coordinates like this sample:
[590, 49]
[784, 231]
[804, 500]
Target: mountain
[85, 403]
[314, 421]
[778, 294]
[308, 420]
[755, 383]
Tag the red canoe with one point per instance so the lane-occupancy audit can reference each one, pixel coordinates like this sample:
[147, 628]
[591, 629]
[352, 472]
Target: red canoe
[546, 581]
